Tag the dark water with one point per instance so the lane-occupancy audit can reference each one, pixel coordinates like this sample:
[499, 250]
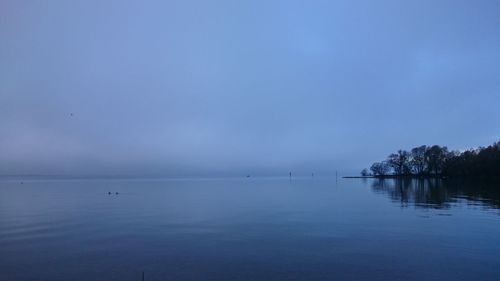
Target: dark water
[248, 229]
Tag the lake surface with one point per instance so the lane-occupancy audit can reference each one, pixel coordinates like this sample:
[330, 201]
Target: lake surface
[248, 229]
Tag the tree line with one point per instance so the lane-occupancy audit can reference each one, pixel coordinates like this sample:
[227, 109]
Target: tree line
[438, 161]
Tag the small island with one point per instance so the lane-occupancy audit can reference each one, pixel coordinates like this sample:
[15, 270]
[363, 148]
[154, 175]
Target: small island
[438, 162]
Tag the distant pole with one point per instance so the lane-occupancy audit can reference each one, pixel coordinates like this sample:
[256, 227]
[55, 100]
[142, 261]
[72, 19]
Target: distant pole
[143, 276]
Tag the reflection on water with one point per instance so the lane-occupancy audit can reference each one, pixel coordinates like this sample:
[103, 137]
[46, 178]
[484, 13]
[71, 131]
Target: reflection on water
[439, 193]
[247, 229]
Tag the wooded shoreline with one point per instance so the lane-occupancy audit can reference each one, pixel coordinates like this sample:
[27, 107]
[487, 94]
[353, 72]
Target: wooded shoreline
[438, 162]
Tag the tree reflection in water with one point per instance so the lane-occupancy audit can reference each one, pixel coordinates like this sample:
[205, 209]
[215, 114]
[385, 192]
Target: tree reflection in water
[439, 193]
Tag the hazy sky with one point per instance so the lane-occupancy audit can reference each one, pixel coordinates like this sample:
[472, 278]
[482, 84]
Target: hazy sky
[181, 88]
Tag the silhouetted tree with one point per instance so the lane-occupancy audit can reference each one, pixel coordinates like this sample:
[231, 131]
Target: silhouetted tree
[435, 158]
[400, 162]
[380, 168]
[482, 162]
[418, 159]
[365, 172]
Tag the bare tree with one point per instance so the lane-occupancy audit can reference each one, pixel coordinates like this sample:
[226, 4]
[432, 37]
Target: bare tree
[435, 158]
[380, 168]
[400, 162]
[418, 159]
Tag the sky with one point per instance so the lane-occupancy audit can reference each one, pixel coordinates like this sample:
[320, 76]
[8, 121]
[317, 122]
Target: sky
[230, 88]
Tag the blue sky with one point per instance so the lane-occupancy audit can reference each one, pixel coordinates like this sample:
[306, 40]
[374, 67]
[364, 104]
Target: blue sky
[188, 88]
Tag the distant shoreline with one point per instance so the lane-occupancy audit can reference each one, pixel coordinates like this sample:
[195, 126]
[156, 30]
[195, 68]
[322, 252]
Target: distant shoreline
[429, 177]
[437, 162]
[397, 177]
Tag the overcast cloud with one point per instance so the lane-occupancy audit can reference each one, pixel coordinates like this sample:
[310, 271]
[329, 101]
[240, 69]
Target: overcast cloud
[196, 88]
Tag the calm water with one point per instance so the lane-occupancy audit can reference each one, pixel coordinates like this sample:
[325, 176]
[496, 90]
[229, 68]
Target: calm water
[248, 229]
